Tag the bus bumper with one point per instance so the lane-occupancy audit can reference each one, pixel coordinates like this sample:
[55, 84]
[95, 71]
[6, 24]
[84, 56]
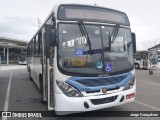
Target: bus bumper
[68, 105]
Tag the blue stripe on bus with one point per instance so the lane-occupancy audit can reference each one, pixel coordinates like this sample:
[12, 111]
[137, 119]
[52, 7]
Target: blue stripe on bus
[73, 82]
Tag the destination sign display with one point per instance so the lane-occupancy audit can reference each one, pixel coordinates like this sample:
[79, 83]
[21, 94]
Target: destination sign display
[92, 14]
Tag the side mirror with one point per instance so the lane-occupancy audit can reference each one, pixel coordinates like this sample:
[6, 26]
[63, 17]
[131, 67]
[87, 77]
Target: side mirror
[134, 42]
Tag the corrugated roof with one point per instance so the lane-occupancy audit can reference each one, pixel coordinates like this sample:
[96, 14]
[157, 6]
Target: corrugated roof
[12, 43]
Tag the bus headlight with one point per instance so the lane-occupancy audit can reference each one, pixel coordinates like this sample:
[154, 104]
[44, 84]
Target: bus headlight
[68, 90]
[130, 84]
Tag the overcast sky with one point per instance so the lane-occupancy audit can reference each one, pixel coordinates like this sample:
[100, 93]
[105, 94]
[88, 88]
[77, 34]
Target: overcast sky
[18, 18]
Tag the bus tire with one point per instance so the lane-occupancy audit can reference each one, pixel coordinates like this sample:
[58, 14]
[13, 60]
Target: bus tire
[136, 65]
[29, 70]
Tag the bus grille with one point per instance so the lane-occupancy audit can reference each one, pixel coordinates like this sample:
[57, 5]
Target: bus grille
[104, 100]
[101, 81]
[95, 91]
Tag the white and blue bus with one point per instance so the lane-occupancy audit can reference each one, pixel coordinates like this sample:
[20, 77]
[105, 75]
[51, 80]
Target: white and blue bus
[81, 58]
[22, 58]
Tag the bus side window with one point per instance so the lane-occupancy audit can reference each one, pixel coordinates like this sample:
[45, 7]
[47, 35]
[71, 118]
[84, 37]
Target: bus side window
[44, 42]
[40, 43]
[29, 50]
[36, 39]
[138, 56]
[34, 46]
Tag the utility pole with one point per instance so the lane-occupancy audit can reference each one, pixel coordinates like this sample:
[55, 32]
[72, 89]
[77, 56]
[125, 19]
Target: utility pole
[39, 22]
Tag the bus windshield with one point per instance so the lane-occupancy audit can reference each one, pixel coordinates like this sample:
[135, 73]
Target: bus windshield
[103, 56]
[22, 56]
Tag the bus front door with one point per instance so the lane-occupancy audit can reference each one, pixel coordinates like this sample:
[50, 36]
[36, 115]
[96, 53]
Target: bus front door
[48, 67]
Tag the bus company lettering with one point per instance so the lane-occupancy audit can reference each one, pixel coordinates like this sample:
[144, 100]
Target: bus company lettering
[19, 114]
[34, 115]
[15, 114]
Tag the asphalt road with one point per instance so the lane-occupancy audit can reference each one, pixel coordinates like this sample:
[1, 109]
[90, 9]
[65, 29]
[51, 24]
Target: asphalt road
[23, 95]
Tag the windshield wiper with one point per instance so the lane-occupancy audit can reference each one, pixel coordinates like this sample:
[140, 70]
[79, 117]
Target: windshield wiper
[109, 42]
[84, 33]
[114, 33]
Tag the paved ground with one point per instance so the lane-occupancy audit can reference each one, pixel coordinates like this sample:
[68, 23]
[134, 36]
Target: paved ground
[11, 67]
[25, 96]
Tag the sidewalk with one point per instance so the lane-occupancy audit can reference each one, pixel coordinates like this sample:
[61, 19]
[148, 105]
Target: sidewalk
[12, 67]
